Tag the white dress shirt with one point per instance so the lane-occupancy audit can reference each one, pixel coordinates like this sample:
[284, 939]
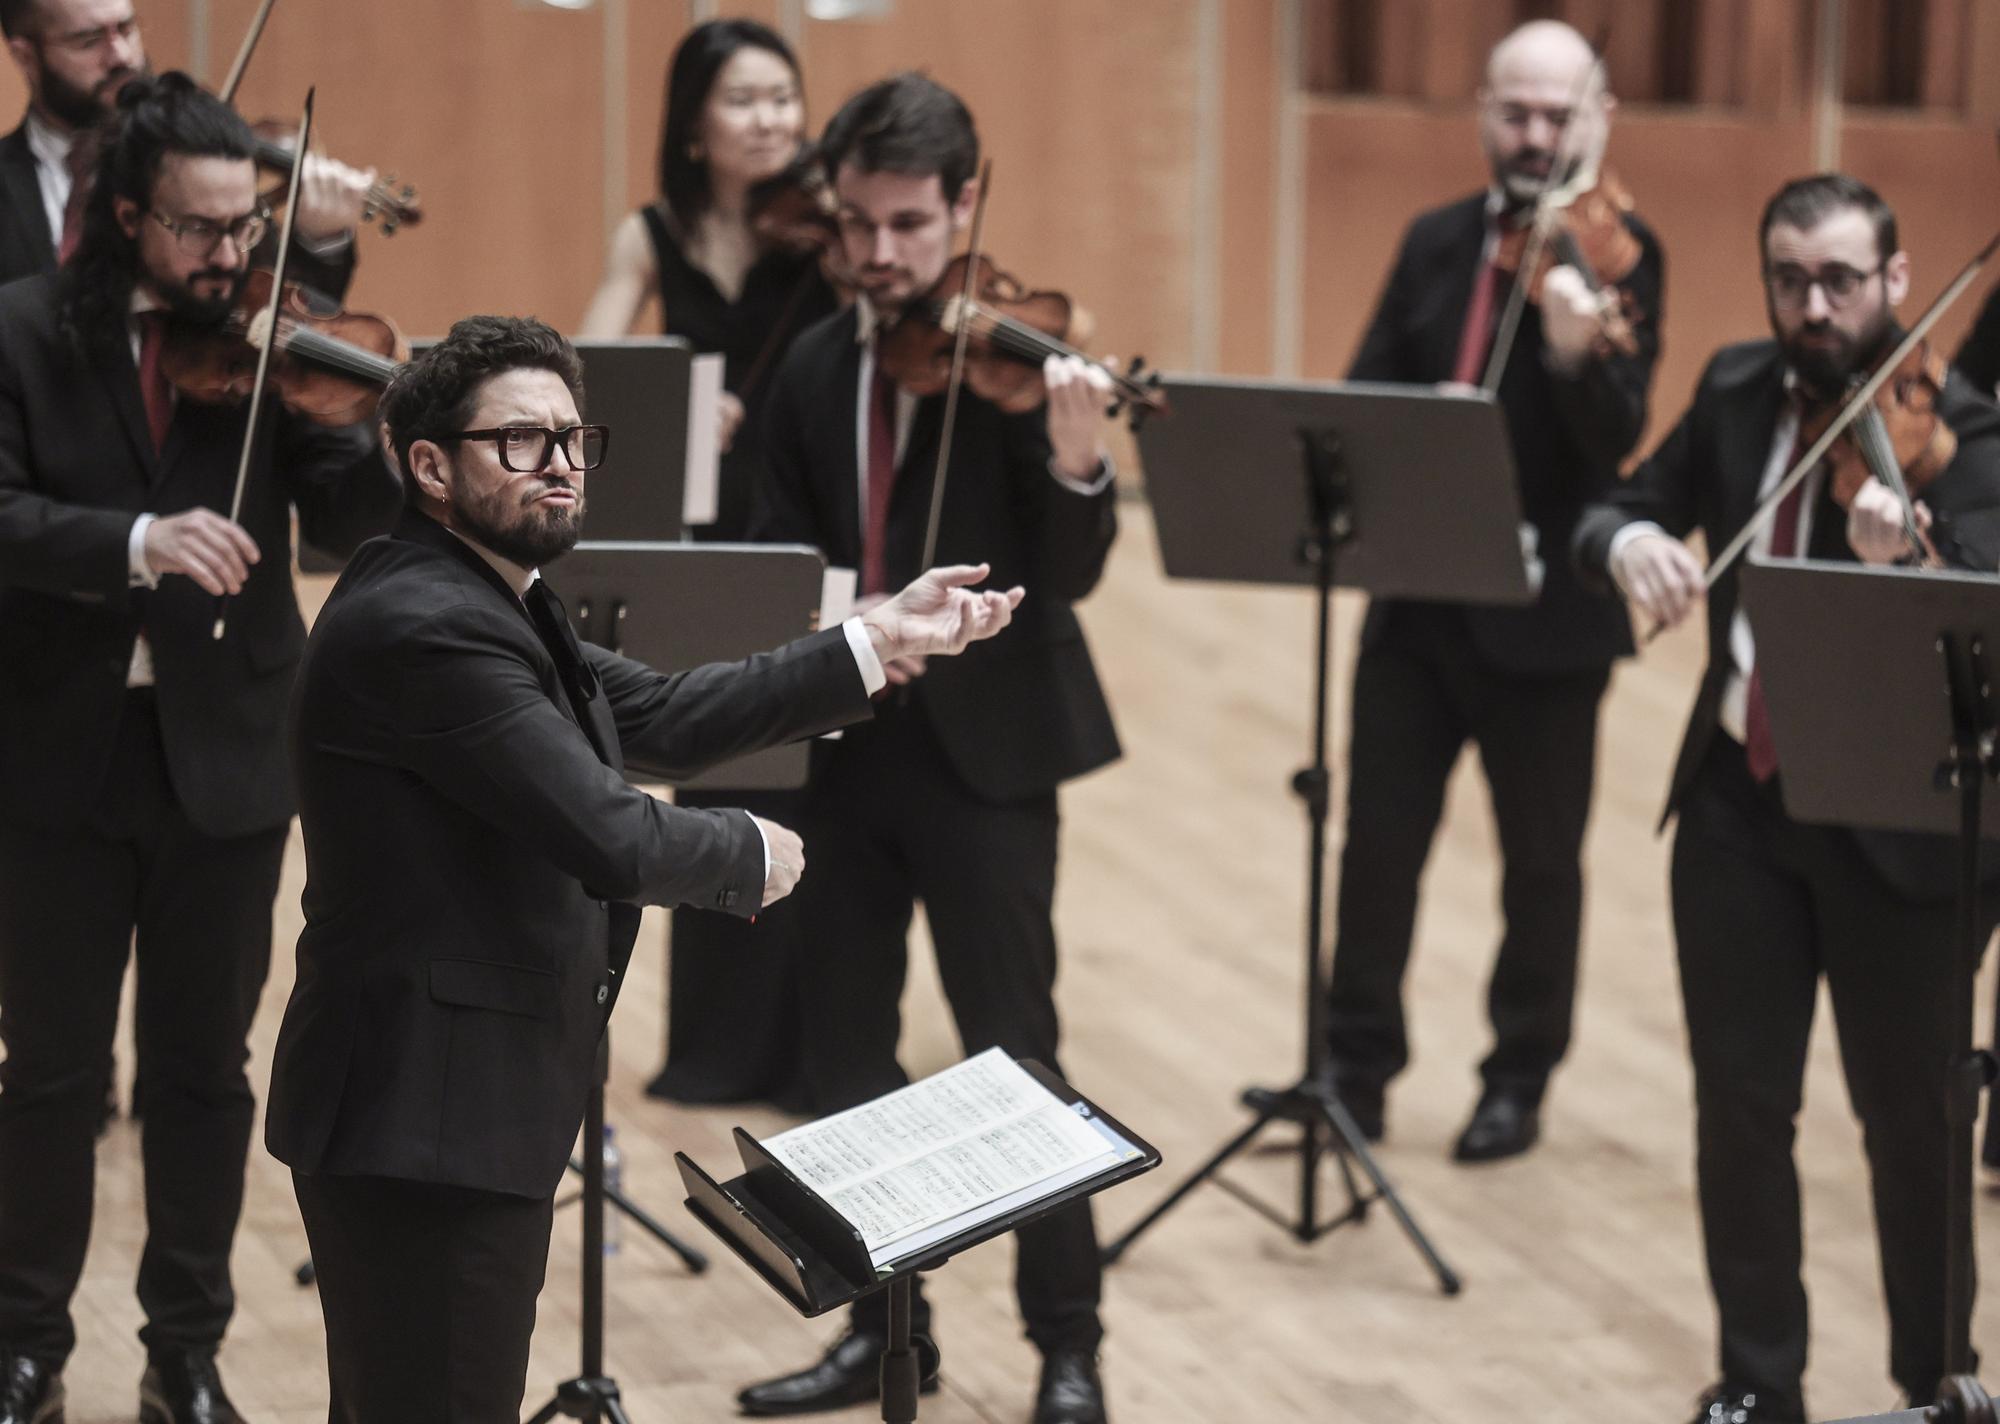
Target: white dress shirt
[1734, 711]
[51, 146]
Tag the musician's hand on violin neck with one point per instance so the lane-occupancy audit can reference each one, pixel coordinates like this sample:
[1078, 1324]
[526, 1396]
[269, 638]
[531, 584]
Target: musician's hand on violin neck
[1659, 577]
[1079, 394]
[1572, 318]
[213, 551]
[1875, 524]
[333, 198]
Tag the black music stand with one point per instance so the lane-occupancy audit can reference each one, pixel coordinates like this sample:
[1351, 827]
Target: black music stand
[1872, 642]
[809, 1254]
[1407, 492]
[671, 606]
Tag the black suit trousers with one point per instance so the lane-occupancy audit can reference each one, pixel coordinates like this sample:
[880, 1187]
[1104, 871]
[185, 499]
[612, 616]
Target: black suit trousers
[732, 988]
[1763, 906]
[1421, 691]
[429, 1297]
[889, 823]
[74, 905]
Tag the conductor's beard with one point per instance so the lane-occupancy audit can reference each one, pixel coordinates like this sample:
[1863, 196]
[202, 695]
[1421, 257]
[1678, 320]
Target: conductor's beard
[530, 529]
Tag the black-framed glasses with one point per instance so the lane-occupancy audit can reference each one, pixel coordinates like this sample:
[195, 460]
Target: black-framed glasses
[198, 237]
[527, 449]
[99, 38]
[1790, 286]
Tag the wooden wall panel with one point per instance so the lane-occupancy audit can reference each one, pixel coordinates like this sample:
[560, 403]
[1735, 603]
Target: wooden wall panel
[494, 111]
[1252, 106]
[1088, 112]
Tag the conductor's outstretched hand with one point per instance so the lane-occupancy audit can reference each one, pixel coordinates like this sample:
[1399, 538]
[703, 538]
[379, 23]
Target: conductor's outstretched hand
[939, 614]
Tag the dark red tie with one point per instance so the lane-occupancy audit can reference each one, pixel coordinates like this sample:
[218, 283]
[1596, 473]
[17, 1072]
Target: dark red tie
[82, 165]
[1758, 748]
[1475, 339]
[154, 388]
[881, 481]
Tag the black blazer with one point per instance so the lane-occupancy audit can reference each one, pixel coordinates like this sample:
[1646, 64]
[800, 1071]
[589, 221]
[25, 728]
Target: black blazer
[1568, 433]
[1022, 713]
[25, 247]
[475, 861]
[1706, 474]
[77, 465]
[27, 251]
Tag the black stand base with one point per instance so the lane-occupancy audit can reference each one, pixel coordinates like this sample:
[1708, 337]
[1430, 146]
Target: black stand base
[1326, 1127]
[592, 1399]
[695, 1260]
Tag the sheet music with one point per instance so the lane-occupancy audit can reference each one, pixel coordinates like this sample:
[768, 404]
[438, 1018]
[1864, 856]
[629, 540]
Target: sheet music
[935, 1158]
[701, 492]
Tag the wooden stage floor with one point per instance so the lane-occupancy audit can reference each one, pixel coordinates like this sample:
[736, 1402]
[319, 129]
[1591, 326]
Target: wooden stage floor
[1180, 910]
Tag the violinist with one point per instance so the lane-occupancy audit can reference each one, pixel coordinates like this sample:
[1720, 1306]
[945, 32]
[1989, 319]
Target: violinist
[1763, 905]
[76, 56]
[144, 799]
[949, 796]
[735, 117]
[1521, 684]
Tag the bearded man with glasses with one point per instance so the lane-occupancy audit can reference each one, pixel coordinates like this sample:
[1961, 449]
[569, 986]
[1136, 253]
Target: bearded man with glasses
[144, 800]
[1763, 905]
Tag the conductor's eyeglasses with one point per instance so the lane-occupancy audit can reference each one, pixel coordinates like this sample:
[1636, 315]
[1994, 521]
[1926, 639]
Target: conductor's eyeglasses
[527, 449]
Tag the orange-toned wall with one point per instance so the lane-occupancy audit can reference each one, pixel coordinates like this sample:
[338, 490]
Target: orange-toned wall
[1139, 150]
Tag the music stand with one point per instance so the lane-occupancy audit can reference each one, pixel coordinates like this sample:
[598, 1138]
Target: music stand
[1407, 492]
[811, 1255]
[1872, 642]
[671, 606]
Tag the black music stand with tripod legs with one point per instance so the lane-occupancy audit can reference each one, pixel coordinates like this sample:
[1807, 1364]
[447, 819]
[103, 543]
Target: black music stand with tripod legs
[1906, 657]
[1407, 492]
[635, 598]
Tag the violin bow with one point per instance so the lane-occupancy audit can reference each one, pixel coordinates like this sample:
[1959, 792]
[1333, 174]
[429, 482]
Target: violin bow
[265, 347]
[227, 93]
[1573, 172]
[961, 333]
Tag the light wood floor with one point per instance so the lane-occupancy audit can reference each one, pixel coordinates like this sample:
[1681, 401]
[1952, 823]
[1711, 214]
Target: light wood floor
[1180, 915]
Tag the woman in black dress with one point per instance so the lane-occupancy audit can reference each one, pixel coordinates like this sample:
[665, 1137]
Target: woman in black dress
[735, 115]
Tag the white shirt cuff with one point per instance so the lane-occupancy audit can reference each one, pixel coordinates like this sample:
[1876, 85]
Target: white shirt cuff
[1638, 528]
[1106, 473]
[758, 826]
[863, 648]
[139, 573]
[324, 247]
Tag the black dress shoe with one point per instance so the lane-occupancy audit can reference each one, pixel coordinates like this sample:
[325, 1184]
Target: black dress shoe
[1070, 1391]
[30, 1391]
[1505, 1124]
[184, 1389]
[1724, 1405]
[848, 1373]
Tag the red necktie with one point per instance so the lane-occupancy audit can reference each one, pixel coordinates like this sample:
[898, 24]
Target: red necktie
[82, 163]
[1475, 340]
[1758, 748]
[154, 388]
[881, 481]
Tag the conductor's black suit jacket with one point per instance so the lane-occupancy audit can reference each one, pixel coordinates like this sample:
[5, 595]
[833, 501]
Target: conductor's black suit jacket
[1568, 432]
[1022, 713]
[476, 860]
[77, 466]
[1706, 476]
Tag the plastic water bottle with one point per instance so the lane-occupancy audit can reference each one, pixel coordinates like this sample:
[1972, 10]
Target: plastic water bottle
[614, 1180]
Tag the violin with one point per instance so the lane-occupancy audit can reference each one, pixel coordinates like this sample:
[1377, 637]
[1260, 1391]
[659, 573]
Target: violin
[1897, 437]
[795, 211]
[389, 204]
[1010, 331]
[329, 367]
[1585, 230]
